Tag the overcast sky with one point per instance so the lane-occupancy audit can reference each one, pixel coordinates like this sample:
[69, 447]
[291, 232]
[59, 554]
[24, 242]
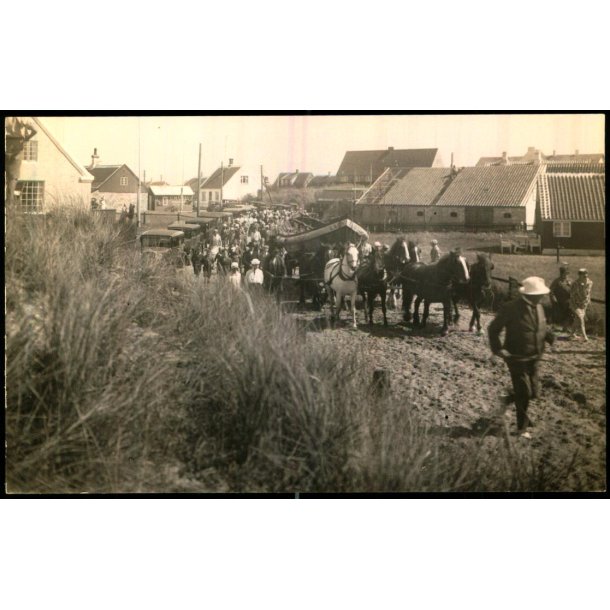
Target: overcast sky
[168, 146]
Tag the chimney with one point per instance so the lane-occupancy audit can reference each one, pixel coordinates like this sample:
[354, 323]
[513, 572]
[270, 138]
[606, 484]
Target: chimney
[297, 171]
[390, 148]
[577, 152]
[553, 152]
[531, 150]
[230, 163]
[451, 159]
[94, 159]
[504, 158]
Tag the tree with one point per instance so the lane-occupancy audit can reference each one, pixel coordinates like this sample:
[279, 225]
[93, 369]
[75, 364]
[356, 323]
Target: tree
[16, 133]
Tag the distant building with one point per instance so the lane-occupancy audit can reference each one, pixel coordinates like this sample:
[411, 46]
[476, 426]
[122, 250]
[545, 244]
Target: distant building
[170, 198]
[322, 181]
[295, 179]
[117, 184]
[406, 198]
[230, 184]
[570, 210]
[49, 175]
[501, 197]
[533, 156]
[192, 183]
[365, 166]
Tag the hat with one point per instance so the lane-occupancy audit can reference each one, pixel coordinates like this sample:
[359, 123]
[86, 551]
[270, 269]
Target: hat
[533, 286]
[434, 242]
[255, 261]
[564, 266]
[377, 244]
[583, 270]
[234, 266]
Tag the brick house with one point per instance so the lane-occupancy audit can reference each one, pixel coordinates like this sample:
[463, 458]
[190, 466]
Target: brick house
[117, 184]
[365, 166]
[49, 177]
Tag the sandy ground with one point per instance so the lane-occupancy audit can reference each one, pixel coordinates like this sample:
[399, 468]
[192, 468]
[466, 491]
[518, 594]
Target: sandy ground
[455, 384]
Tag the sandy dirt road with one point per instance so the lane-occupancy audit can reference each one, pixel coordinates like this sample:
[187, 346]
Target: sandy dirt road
[455, 385]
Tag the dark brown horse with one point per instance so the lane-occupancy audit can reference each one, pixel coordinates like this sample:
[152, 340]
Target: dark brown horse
[436, 283]
[372, 281]
[475, 289]
[274, 269]
[311, 274]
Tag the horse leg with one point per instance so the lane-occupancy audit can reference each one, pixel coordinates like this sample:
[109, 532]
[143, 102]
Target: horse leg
[353, 302]
[416, 321]
[456, 312]
[446, 317]
[477, 315]
[473, 318]
[407, 299]
[383, 306]
[371, 300]
[426, 313]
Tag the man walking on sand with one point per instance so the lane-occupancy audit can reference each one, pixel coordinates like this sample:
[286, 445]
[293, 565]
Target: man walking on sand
[525, 334]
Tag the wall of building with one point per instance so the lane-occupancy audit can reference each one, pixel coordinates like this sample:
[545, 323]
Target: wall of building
[585, 236]
[117, 200]
[236, 190]
[62, 184]
[518, 215]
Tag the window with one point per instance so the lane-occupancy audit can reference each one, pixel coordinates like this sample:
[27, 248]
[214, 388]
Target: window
[420, 213]
[217, 194]
[32, 196]
[30, 150]
[453, 214]
[244, 179]
[123, 181]
[209, 195]
[507, 215]
[562, 228]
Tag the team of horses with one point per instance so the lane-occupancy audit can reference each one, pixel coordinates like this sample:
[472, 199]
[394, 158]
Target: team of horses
[446, 281]
[345, 275]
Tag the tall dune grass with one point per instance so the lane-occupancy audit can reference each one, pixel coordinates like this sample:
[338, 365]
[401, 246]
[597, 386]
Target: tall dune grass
[124, 378]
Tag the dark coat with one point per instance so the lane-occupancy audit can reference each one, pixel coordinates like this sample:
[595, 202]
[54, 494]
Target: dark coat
[525, 327]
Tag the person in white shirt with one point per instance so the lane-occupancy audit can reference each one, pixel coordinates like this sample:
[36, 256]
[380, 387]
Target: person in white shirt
[255, 277]
[235, 276]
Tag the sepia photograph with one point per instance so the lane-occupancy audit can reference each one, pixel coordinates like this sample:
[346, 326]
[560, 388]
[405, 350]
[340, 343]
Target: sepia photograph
[314, 303]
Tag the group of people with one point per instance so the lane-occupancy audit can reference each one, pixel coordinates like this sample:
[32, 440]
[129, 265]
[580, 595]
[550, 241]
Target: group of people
[365, 249]
[526, 332]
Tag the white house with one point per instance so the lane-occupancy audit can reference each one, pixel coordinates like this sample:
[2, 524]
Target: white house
[230, 184]
[49, 176]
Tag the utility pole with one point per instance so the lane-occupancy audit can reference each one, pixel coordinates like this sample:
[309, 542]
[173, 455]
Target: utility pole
[262, 182]
[199, 180]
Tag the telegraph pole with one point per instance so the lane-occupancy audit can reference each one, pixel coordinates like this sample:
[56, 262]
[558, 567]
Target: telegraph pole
[222, 175]
[262, 182]
[199, 180]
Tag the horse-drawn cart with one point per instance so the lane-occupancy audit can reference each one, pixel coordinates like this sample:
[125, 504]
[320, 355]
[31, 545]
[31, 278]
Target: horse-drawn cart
[308, 253]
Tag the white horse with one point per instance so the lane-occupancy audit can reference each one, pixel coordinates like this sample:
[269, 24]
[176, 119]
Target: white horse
[340, 277]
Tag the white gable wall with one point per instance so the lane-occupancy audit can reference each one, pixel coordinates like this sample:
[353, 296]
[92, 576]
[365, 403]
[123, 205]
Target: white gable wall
[236, 190]
[62, 181]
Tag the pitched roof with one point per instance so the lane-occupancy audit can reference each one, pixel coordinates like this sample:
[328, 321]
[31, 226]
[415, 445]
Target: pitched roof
[419, 186]
[171, 191]
[365, 162]
[85, 176]
[506, 185]
[302, 179]
[318, 181]
[572, 197]
[340, 194]
[575, 168]
[193, 182]
[224, 174]
[101, 173]
[576, 158]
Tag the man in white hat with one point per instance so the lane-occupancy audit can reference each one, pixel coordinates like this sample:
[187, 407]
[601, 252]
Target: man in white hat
[525, 334]
[235, 275]
[435, 252]
[255, 277]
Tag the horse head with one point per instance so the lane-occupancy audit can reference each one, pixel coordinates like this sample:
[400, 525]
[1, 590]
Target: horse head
[377, 263]
[457, 267]
[482, 269]
[351, 257]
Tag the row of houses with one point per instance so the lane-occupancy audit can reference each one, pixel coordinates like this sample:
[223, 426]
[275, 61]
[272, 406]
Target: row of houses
[561, 196]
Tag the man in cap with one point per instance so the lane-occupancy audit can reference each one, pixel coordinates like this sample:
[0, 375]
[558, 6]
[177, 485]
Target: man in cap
[435, 252]
[525, 334]
[255, 276]
[580, 297]
[235, 275]
[365, 248]
[560, 297]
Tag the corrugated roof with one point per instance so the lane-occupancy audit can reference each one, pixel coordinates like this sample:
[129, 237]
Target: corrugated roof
[420, 186]
[171, 191]
[575, 168]
[572, 197]
[586, 158]
[490, 186]
[224, 174]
